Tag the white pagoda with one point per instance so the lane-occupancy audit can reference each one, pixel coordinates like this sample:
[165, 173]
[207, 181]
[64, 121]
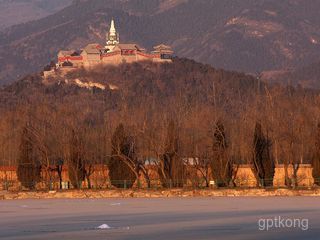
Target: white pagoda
[112, 37]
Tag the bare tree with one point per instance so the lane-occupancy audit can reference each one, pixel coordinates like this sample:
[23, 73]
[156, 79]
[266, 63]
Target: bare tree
[29, 169]
[316, 158]
[172, 169]
[123, 151]
[75, 161]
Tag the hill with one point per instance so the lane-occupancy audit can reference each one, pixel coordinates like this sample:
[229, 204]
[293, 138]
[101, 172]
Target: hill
[138, 81]
[144, 94]
[306, 76]
[243, 35]
[28, 10]
[169, 112]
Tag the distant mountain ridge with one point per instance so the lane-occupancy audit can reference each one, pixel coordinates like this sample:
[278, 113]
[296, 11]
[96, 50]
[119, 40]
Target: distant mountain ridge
[243, 35]
[305, 76]
[20, 11]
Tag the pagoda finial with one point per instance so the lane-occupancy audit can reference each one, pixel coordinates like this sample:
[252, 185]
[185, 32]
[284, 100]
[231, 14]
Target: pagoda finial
[112, 28]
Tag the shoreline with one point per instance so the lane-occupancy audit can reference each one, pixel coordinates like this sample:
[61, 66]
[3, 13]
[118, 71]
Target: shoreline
[180, 193]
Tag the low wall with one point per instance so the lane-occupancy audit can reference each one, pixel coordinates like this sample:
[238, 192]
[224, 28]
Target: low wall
[304, 175]
[99, 180]
[246, 178]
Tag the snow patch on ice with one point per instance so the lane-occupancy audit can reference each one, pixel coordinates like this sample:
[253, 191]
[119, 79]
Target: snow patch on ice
[115, 204]
[104, 226]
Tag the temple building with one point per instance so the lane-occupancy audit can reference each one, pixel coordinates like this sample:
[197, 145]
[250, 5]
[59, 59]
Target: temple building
[113, 52]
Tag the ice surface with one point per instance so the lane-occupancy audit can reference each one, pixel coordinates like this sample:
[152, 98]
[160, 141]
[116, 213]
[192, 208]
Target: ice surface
[222, 218]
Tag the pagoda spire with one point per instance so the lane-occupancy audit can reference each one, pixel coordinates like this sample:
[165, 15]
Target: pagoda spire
[112, 36]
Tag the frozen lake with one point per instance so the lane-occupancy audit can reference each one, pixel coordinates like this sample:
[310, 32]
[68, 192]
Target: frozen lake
[164, 218]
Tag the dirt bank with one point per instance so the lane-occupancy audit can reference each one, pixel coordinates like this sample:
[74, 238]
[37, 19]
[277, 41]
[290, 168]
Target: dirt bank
[4, 195]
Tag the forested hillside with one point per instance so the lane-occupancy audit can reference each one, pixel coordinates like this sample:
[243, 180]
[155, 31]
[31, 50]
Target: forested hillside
[183, 110]
[307, 76]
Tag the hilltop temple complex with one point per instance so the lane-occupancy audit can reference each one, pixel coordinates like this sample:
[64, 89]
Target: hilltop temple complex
[113, 52]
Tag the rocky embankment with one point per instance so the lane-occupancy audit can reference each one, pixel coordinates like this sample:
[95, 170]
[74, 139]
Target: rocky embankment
[5, 195]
